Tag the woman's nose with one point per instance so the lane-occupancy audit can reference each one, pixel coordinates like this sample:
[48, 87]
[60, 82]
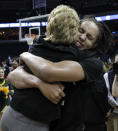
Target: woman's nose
[83, 37]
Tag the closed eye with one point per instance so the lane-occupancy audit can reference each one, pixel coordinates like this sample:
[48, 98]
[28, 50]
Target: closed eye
[81, 30]
[90, 37]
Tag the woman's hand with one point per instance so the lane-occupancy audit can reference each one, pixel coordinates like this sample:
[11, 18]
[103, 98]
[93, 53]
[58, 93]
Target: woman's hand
[53, 92]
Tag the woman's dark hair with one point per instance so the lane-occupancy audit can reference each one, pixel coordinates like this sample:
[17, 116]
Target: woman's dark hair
[104, 40]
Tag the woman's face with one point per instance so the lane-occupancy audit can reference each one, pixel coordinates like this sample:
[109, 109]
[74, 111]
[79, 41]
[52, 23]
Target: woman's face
[87, 36]
[1, 74]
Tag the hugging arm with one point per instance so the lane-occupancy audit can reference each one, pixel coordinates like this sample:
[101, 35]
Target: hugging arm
[49, 71]
[21, 79]
[16, 80]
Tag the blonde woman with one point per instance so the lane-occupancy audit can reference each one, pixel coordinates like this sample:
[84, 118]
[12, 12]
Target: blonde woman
[30, 110]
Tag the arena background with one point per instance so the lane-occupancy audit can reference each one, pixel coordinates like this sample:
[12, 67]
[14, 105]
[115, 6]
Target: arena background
[13, 10]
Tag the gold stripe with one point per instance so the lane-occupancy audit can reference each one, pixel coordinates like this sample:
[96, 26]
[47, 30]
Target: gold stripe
[2, 83]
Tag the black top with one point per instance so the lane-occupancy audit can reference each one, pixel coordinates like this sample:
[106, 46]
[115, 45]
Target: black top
[83, 101]
[31, 102]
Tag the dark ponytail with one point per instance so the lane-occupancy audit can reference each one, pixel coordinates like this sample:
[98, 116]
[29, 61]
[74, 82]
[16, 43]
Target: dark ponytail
[104, 40]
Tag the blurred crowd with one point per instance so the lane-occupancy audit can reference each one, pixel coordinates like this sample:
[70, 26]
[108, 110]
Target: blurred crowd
[9, 64]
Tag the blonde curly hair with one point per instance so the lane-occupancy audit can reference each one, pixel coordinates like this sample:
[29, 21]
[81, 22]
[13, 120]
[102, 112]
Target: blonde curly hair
[62, 26]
